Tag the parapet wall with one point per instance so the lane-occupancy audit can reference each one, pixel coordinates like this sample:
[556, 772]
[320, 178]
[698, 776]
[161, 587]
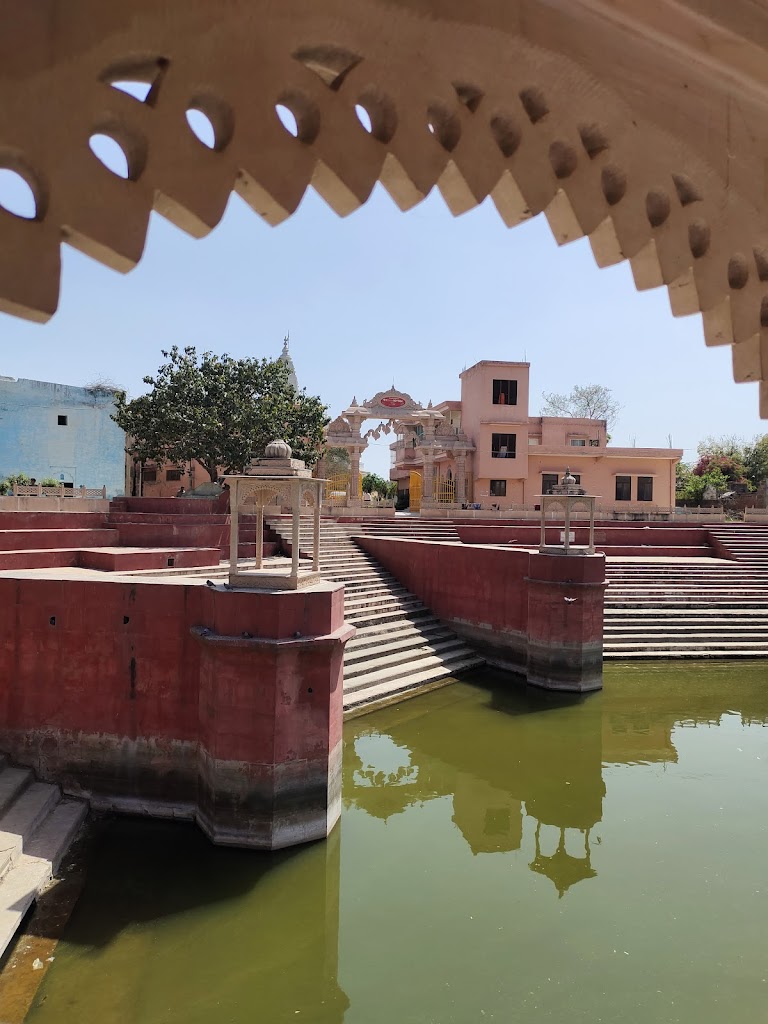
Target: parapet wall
[539, 615]
[620, 539]
[179, 700]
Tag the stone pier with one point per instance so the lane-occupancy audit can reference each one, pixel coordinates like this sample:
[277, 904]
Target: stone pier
[179, 699]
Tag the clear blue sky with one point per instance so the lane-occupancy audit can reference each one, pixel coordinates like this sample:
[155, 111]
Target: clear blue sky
[383, 297]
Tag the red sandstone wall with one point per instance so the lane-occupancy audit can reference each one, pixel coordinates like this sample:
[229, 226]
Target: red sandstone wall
[469, 584]
[539, 615]
[106, 687]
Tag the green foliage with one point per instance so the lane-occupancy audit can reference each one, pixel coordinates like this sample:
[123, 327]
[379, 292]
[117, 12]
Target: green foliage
[6, 486]
[756, 460]
[221, 411]
[690, 485]
[593, 402]
[374, 484]
[49, 481]
[336, 461]
[740, 460]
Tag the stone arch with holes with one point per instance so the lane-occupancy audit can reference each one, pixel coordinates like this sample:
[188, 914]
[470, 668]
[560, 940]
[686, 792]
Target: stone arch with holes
[644, 129]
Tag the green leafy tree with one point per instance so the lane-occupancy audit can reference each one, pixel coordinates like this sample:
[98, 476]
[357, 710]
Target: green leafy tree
[592, 402]
[337, 461]
[756, 460]
[6, 486]
[740, 460]
[220, 411]
[374, 484]
[691, 486]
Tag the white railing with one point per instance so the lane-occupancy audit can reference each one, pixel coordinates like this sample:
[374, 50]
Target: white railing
[755, 515]
[59, 491]
[694, 513]
[485, 510]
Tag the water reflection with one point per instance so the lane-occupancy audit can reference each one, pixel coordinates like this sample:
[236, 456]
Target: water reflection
[543, 770]
[171, 928]
[473, 838]
[548, 769]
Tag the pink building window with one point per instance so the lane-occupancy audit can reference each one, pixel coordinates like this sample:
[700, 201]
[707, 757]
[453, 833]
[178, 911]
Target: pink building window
[505, 392]
[503, 446]
[623, 488]
[645, 488]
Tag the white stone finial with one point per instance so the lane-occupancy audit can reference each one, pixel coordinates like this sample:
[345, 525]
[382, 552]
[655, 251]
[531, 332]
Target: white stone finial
[278, 449]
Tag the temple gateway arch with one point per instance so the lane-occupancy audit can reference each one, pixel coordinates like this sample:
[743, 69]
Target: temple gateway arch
[643, 126]
[424, 430]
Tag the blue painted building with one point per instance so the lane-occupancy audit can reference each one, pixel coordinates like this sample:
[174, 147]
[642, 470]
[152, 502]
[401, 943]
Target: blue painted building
[63, 432]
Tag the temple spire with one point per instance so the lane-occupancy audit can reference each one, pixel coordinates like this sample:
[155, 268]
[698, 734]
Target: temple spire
[285, 357]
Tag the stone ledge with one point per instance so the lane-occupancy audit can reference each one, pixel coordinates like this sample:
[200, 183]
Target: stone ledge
[339, 636]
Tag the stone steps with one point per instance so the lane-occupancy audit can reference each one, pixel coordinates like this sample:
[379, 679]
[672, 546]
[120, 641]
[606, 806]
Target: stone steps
[683, 610]
[400, 648]
[395, 652]
[404, 632]
[388, 691]
[37, 827]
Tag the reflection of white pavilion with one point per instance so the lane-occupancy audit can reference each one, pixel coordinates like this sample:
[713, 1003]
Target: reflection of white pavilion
[425, 429]
[562, 868]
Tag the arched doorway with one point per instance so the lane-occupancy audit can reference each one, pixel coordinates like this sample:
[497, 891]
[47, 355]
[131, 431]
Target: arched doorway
[425, 441]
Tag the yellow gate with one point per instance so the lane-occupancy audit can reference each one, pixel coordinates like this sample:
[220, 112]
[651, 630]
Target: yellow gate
[337, 489]
[414, 486]
[445, 491]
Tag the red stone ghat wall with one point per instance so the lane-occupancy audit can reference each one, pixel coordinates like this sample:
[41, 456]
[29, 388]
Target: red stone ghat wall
[539, 615]
[616, 539]
[225, 706]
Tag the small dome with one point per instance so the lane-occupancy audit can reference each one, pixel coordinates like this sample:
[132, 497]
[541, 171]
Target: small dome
[568, 480]
[278, 449]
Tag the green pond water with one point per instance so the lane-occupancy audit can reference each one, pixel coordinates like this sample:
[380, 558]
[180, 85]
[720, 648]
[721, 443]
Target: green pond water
[503, 855]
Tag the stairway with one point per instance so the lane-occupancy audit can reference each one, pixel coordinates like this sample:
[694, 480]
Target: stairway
[692, 608]
[747, 543]
[400, 648]
[409, 528]
[37, 827]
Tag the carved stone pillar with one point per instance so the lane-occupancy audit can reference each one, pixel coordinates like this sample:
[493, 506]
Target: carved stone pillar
[461, 479]
[428, 482]
[354, 477]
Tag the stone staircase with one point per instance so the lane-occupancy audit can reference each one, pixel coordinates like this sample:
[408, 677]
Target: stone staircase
[400, 648]
[692, 608]
[37, 827]
[408, 528]
[746, 543]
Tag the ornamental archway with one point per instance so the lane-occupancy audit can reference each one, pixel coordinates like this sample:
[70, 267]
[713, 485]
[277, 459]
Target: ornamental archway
[425, 438]
[643, 126]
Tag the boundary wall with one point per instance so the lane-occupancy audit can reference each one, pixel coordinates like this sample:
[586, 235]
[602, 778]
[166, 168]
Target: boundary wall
[639, 540]
[538, 615]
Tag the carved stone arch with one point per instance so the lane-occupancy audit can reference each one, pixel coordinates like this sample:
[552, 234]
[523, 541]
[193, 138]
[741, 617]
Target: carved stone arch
[646, 136]
[264, 496]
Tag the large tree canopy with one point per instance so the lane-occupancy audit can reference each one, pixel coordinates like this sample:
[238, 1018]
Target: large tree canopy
[220, 411]
[724, 462]
[592, 402]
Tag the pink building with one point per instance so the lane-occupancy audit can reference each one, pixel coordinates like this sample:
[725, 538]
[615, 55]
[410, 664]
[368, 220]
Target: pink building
[488, 450]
